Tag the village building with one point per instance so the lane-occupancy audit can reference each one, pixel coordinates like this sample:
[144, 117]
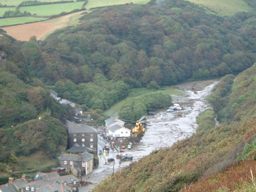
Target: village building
[83, 135]
[115, 128]
[78, 164]
[43, 182]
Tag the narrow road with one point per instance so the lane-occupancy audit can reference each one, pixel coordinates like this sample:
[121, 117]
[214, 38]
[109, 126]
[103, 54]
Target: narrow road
[161, 133]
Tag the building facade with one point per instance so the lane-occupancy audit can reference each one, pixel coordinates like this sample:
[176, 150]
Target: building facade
[82, 135]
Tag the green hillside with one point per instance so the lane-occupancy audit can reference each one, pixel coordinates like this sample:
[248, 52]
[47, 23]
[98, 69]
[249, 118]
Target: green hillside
[118, 48]
[24, 99]
[115, 50]
[209, 151]
[223, 7]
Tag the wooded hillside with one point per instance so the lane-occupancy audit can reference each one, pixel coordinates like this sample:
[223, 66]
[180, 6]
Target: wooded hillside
[30, 119]
[135, 45]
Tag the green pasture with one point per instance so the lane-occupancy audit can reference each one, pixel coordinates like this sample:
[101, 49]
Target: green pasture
[17, 2]
[114, 110]
[52, 9]
[102, 3]
[223, 7]
[18, 20]
[3, 9]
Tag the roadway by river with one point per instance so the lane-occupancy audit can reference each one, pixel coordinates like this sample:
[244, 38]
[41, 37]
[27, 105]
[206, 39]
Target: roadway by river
[163, 132]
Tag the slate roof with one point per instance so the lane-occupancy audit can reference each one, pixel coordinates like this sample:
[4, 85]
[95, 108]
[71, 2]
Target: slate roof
[53, 187]
[19, 183]
[114, 128]
[73, 157]
[79, 128]
[110, 121]
[51, 183]
[78, 149]
[8, 188]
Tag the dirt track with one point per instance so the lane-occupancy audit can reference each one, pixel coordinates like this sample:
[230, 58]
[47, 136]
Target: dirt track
[39, 29]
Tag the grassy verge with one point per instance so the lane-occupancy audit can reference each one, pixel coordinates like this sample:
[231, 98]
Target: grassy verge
[100, 3]
[113, 111]
[52, 9]
[18, 20]
[17, 2]
[223, 7]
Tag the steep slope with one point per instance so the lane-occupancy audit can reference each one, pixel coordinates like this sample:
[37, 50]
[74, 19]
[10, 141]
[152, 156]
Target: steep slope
[29, 116]
[209, 151]
[162, 43]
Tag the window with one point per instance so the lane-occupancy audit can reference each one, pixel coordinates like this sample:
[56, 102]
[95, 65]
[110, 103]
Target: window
[74, 135]
[91, 139]
[121, 132]
[91, 145]
[83, 135]
[74, 139]
[91, 135]
[83, 139]
[71, 163]
[126, 132]
[65, 162]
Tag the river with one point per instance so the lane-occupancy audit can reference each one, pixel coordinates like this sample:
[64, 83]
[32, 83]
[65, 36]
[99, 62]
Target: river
[161, 133]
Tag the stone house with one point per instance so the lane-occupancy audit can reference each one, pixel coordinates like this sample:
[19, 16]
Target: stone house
[78, 164]
[83, 135]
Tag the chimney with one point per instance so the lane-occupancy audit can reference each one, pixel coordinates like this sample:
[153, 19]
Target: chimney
[10, 180]
[23, 176]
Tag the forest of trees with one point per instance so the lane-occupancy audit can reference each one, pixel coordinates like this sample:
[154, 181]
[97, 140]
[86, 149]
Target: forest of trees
[23, 99]
[130, 46]
[96, 63]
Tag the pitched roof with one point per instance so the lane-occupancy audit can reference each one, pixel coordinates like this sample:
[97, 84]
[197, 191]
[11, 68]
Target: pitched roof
[53, 187]
[74, 157]
[19, 183]
[8, 188]
[110, 121]
[114, 128]
[78, 149]
[79, 128]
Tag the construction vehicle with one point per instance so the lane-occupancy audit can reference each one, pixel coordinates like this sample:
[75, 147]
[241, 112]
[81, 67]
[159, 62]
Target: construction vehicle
[138, 128]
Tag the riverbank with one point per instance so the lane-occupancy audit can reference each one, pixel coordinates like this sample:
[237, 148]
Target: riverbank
[160, 133]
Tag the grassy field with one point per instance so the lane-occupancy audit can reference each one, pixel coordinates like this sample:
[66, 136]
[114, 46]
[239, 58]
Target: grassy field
[17, 2]
[3, 9]
[19, 20]
[113, 111]
[54, 9]
[102, 3]
[223, 7]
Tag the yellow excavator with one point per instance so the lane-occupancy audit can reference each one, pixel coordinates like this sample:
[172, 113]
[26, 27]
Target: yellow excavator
[138, 128]
[139, 125]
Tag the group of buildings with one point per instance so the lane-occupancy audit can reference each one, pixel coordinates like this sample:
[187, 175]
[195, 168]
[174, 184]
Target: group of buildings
[83, 144]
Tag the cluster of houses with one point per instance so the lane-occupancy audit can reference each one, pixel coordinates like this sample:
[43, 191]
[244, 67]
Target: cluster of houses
[83, 144]
[43, 182]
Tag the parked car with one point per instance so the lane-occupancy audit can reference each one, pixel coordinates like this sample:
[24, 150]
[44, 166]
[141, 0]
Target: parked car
[111, 159]
[126, 158]
[151, 113]
[129, 147]
[123, 147]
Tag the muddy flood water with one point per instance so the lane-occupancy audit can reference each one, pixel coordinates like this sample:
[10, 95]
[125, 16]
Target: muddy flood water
[166, 129]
